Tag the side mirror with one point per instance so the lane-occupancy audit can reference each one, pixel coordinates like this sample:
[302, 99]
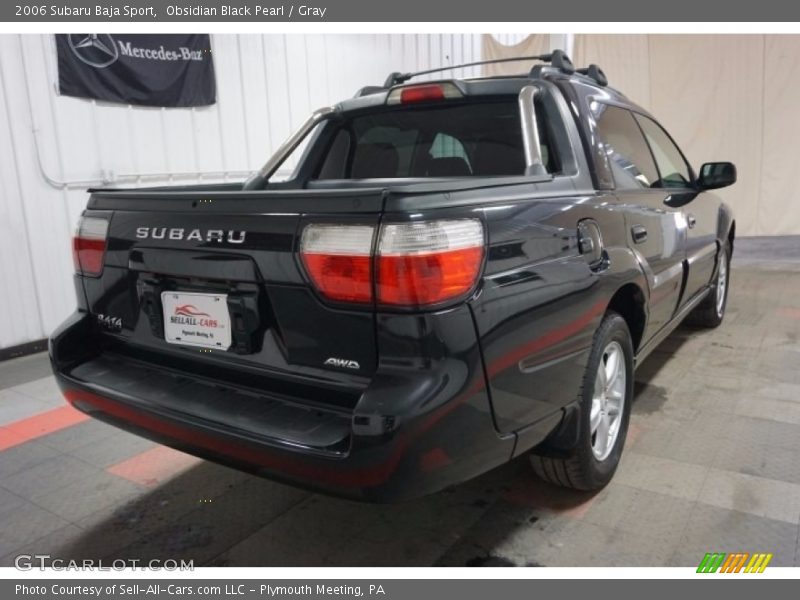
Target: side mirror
[715, 175]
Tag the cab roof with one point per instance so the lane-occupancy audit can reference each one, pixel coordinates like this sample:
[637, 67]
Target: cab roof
[591, 79]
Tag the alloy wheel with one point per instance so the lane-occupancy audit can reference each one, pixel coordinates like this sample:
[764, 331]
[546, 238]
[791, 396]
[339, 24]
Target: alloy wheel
[605, 417]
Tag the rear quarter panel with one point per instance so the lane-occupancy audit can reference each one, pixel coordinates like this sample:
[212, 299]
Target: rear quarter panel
[540, 302]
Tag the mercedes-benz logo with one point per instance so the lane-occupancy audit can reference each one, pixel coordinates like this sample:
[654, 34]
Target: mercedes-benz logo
[94, 49]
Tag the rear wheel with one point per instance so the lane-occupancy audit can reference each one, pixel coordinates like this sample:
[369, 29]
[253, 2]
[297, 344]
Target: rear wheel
[711, 311]
[605, 401]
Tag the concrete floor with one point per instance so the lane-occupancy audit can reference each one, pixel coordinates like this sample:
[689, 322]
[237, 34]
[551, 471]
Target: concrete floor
[712, 463]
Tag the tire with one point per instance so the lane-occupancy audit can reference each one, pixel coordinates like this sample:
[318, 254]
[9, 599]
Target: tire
[590, 465]
[711, 311]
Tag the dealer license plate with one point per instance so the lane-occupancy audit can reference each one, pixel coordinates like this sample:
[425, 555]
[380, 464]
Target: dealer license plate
[196, 319]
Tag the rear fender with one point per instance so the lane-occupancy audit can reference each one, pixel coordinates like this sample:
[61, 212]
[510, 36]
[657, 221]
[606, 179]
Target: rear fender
[725, 224]
[624, 268]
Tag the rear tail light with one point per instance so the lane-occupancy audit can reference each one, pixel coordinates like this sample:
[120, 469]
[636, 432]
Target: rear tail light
[428, 262]
[338, 260]
[89, 246]
[428, 92]
[416, 264]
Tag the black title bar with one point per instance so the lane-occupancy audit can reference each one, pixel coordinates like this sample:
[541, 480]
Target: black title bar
[154, 11]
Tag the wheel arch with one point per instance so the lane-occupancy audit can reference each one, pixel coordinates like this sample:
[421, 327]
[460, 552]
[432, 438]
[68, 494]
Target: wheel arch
[726, 225]
[630, 303]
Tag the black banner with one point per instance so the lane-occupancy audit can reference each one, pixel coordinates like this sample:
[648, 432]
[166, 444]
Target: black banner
[440, 11]
[33, 588]
[146, 70]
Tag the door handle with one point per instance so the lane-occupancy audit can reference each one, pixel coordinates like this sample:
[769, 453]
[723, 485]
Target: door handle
[691, 221]
[639, 233]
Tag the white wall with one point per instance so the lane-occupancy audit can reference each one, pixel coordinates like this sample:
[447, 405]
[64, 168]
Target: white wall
[52, 147]
[722, 97]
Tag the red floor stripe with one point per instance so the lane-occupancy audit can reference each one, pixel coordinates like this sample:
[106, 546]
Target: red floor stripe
[153, 466]
[789, 311]
[25, 430]
[634, 432]
[8, 439]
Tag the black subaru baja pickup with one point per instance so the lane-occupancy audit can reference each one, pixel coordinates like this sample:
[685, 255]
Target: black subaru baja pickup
[457, 272]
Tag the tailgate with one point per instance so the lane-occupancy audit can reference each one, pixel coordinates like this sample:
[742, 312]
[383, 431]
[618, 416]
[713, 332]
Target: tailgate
[216, 278]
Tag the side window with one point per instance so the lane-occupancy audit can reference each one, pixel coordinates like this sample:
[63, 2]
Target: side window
[629, 156]
[673, 170]
[335, 163]
[549, 159]
[448, 157]
[446, 146]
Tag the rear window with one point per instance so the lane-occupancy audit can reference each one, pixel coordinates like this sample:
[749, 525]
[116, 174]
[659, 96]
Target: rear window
[453, 140]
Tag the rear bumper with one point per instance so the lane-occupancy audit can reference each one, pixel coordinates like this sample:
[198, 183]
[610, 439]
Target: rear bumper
[417, 428]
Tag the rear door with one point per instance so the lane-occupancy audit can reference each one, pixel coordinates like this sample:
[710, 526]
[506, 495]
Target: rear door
[676, 178]
[656, 229]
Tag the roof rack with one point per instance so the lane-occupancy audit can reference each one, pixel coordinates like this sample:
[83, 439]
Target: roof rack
[557, 59]
[594, 72]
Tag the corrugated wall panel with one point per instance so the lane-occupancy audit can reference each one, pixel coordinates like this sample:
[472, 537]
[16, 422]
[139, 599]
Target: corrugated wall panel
[48, 223]
[267, 85]
[253, 97]
[20, 319]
